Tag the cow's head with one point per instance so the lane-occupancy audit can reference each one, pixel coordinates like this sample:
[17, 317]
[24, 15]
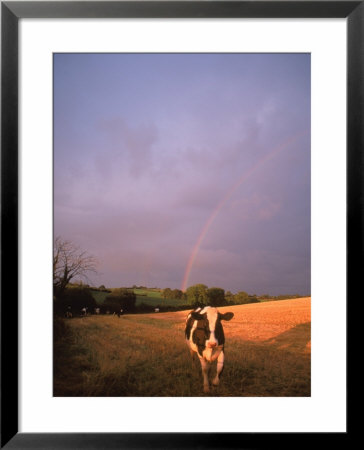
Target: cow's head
[210, 321]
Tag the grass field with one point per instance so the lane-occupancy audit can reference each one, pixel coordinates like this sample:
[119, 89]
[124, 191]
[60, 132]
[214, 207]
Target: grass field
[148, 293]
[155, 301]
[99, 296]
[148, 296]
[268, 353]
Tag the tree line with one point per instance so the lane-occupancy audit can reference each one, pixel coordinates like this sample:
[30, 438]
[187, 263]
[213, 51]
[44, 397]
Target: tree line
[70, 262]
[200, 294]
[75, 298]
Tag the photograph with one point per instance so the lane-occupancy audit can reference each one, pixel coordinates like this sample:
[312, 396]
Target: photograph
[182, 224]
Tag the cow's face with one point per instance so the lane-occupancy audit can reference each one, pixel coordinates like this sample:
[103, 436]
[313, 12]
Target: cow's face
[210, 320]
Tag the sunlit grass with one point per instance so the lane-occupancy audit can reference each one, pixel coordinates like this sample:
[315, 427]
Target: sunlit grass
[267, 354]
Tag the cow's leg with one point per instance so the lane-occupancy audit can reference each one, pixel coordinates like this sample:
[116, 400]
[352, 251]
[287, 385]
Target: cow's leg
[205, 373]
[220, 366]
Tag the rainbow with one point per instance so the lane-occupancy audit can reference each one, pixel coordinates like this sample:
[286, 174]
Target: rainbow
[226, 197]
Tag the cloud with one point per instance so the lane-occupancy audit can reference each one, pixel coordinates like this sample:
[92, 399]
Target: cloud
[258, 207]
[132, 144]
[138, 174]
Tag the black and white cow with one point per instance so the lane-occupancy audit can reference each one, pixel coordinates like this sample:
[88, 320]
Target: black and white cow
[205, 336]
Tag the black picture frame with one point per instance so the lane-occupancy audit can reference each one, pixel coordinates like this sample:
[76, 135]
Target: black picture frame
[11, 12]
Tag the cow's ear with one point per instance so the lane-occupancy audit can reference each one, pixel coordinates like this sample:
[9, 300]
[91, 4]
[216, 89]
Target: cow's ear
[227, 316]
[197, 315]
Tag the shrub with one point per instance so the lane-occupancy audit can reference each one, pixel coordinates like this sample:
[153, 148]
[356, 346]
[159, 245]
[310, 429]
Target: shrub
[241, 297]
[120, 299]
[197, 295]
[167, 293]
[177, 293]
[216, 296]
[145, 308]
[76, 298]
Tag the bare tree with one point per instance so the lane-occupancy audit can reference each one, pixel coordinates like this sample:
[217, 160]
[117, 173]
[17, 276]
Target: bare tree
[69, 261]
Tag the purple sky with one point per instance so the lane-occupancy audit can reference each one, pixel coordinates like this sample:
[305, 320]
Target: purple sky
[147, 147]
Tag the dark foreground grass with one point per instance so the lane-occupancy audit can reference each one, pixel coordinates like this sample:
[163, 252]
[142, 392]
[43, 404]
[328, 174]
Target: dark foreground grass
[141, 355]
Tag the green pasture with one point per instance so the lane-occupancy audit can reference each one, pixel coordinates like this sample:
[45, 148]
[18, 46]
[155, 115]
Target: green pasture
[151, 293]
[99, 296]
[149, 297]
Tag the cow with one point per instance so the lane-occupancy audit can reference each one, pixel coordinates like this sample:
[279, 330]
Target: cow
[118, 313]
[205, 336]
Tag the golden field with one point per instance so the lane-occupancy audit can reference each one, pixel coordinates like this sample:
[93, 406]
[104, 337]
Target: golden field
[267, 353]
